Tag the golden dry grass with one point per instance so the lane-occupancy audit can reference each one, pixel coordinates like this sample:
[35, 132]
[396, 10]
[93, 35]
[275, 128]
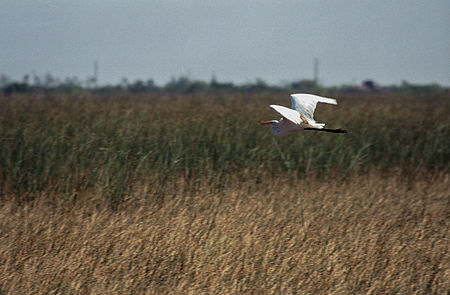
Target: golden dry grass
[370, 234]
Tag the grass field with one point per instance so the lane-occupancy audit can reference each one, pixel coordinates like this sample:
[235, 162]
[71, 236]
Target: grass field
[187, 194]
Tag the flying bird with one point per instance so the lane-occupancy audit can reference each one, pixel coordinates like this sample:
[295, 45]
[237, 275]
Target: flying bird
[300, 116]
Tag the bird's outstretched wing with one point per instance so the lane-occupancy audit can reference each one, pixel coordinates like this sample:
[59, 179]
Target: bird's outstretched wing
[306, 103]
[289, 114]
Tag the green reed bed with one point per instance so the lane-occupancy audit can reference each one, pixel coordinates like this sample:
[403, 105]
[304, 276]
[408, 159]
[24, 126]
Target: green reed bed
[70, 144]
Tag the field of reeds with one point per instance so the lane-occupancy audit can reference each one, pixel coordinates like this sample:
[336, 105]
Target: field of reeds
[188, 195]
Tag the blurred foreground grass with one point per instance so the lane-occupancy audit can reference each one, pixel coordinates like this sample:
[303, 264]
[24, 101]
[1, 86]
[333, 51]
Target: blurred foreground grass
[367, 234]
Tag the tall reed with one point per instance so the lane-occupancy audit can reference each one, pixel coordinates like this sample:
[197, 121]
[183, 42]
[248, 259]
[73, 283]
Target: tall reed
[70, 144]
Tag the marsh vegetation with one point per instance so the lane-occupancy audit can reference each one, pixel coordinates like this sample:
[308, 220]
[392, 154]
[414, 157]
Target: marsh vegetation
[187, 194]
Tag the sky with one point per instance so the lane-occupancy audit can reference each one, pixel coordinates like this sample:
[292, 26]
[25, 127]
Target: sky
[236, 41]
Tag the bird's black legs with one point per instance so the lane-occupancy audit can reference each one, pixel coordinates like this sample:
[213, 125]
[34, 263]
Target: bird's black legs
[328, 130]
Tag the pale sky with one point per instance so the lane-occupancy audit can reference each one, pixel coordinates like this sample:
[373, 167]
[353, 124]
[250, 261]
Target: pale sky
[237, 41]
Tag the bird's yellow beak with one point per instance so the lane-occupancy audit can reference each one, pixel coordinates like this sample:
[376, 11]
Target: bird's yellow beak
[264, 122]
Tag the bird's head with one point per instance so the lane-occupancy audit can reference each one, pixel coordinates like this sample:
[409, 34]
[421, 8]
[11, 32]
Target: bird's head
[268, 122]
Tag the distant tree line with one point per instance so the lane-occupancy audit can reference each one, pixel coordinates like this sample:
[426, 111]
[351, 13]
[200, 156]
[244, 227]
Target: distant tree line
[184, 85]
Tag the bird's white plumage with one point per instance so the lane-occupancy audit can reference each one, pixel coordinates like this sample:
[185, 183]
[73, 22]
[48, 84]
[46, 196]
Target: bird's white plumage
[290, 114]
[300, 116]
[306, 104]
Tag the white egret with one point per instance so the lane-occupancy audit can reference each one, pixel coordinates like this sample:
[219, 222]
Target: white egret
[300, 116]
